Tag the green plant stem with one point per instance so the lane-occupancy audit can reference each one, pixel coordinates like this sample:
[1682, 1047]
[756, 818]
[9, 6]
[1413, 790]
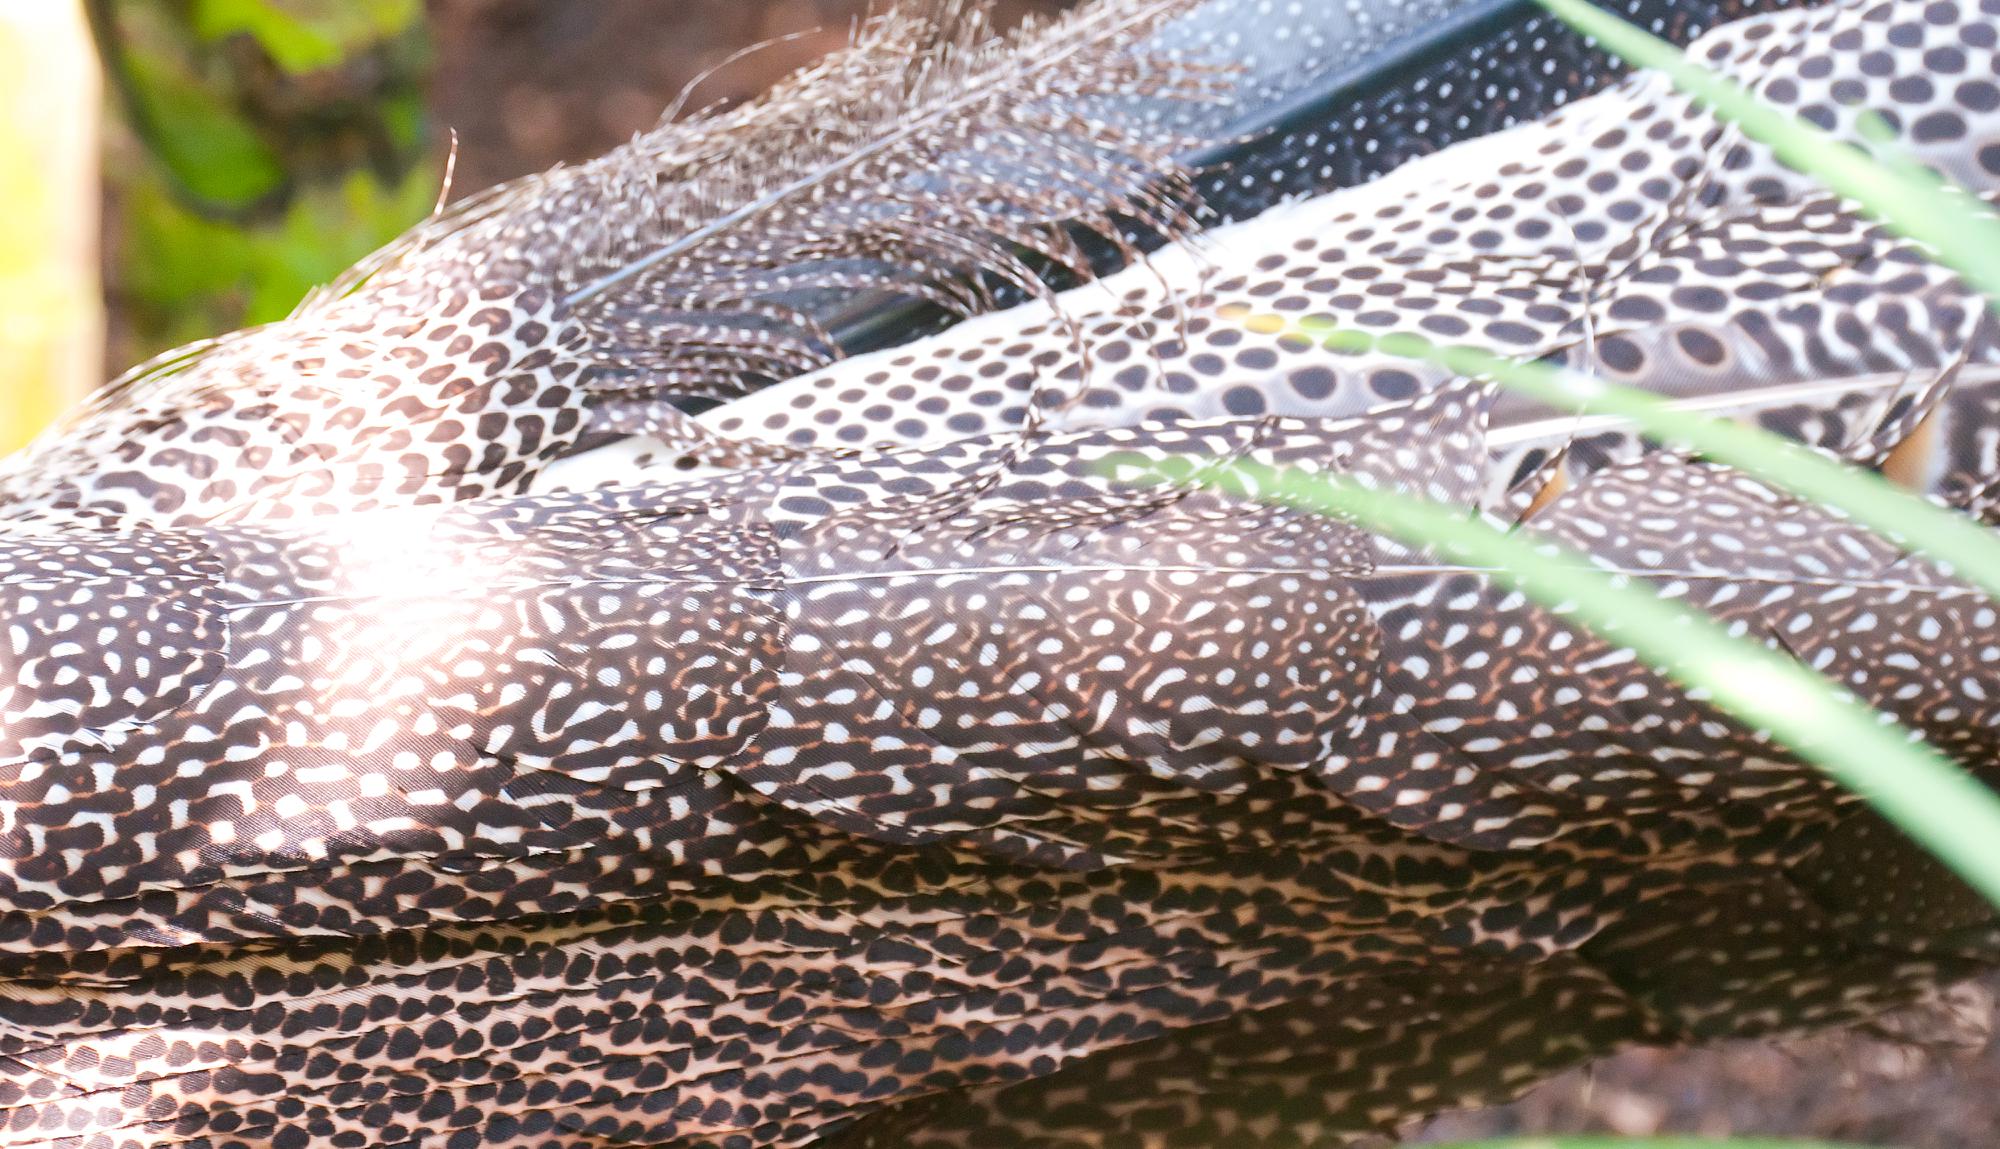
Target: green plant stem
[1971, 551]
[1934, 800]
[1961, 231]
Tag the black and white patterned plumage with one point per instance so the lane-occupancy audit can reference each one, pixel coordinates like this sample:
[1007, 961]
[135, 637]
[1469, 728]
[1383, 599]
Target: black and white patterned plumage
[944, 789]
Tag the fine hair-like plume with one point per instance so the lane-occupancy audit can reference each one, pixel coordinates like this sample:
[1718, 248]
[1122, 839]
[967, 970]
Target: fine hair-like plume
[930, 159]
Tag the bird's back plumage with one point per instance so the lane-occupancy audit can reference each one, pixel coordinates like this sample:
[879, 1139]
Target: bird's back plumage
[722, 252]
[840, 857]
[956, 791]
[1632, 234]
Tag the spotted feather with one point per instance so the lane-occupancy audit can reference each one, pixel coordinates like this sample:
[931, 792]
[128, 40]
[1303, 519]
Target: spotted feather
[958, 793]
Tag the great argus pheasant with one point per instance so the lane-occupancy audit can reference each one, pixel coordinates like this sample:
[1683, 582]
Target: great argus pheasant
[644, 661]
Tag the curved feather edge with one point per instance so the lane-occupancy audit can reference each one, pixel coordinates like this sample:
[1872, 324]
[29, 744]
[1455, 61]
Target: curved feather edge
[928, 159]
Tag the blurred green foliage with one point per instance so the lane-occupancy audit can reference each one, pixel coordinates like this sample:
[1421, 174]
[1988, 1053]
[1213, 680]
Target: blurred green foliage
[308, 35]
[185, 277]
[278, 141]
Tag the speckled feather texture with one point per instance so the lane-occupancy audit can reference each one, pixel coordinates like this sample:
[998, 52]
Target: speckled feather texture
[723, 251]
[1631, 234]
[926, 160]
[684, 816]
[953, 792]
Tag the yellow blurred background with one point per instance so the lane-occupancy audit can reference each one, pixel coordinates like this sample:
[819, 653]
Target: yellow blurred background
[51, 306]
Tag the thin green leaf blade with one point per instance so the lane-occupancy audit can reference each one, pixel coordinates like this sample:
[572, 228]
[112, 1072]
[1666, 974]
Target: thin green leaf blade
[1963, 233]
[1970, 550]
[1932, 798]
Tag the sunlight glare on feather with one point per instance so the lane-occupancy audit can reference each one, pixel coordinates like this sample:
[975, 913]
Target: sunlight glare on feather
[401, 554]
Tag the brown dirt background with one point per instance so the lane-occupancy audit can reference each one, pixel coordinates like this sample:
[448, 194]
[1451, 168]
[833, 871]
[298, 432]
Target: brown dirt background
[530, 83]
